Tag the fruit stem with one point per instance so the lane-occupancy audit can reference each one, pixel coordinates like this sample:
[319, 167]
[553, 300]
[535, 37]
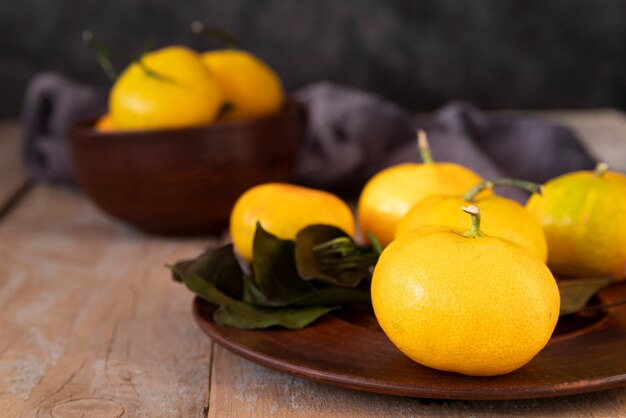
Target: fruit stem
[378, 249]
[101, 55]
[529, 186]
[104, 52]
[600, 169]
[474, 230]
[339, 245]
[424, 147]
[220, 35]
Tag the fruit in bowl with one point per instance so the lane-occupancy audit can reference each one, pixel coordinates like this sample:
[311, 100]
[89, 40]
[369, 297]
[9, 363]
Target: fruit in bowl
[175, 87]
[185, 135]
[249, 86]
[167, 88]
[185, 180]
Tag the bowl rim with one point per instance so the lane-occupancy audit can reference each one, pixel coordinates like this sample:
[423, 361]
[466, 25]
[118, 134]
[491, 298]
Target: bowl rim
[86, 127]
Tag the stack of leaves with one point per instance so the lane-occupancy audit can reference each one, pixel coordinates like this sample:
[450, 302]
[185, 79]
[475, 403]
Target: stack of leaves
[290, 284]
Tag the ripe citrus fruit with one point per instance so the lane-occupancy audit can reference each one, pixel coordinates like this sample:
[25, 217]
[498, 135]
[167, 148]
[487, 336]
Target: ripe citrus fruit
[167, 88]
[389, 194]
[105, 123]
[463, 301]
[249, 85]
[283, 210]
[582, 214]
[502, 217]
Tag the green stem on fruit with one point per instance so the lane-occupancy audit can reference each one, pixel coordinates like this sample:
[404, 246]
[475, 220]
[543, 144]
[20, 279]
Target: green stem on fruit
[340, 244]
[104, 52]
[220, 35]
[529, 186]
[424, 147]
[101, 55]
[600, 169]
[226, 108]
[474, 230]
[378, 249]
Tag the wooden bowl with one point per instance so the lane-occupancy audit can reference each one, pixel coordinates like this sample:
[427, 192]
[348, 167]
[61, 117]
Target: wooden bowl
[184, 181]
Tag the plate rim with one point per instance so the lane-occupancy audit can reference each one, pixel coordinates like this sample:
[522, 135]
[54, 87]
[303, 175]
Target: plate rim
[209, 327]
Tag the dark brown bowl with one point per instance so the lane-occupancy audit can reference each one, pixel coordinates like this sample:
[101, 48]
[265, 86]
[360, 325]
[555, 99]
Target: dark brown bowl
[184, 181]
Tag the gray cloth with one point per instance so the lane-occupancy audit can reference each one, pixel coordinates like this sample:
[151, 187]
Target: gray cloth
[52, 104]
[350, 136]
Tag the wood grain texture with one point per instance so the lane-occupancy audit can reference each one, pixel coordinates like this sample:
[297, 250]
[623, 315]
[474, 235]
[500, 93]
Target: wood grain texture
[243, 389]
[91, 322]
[11, 173]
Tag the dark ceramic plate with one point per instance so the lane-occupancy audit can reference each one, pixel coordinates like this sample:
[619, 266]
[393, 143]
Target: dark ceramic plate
[348, 349]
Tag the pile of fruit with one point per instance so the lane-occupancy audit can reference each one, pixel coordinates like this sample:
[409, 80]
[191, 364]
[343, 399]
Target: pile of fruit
[460, 279]
[177, 87]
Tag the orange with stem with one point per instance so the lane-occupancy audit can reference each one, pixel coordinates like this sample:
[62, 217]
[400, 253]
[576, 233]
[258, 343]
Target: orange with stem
[392, 192]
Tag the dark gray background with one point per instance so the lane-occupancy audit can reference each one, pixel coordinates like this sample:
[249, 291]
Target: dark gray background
[499, 54]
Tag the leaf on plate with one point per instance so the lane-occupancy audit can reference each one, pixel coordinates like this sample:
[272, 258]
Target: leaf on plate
[258, 318]
[274, 293]
[330, 295]
[220, 267]
[336, 296]
[239, 314]
[326, 254]
[274, 267]
[253, 295]
[575, 293]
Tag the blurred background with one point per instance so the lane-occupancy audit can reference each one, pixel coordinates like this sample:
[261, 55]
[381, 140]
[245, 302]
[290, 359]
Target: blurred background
[421, 54]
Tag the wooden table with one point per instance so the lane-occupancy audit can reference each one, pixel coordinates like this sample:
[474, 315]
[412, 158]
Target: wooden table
[91, 324]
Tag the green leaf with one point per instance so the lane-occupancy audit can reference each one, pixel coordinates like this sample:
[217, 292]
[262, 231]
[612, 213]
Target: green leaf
[336, 296]
[253, 295]
[275, 295]
[274, 268]
[219, 267]
[575, 293]
[257, 318]
[237, 314]
[329, 295]
[326, 254]
[378, 249]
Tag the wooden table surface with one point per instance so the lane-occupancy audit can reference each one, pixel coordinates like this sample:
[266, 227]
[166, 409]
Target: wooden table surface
[91, 324]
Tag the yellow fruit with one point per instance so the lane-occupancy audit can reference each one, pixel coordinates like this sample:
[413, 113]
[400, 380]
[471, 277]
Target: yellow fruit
[464, 302]
[168, 88]
[105, 123]
[249, 84]
[582, 214]
[390, 193]
[283, 210]
[502, 218]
